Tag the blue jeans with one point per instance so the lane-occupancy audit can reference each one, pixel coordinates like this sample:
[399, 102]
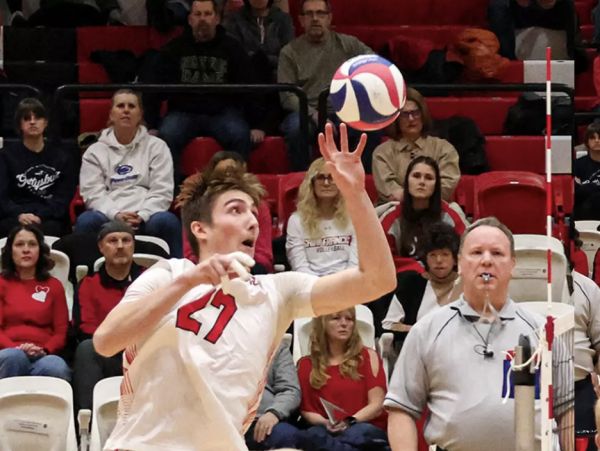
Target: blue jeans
[283, 435]
[14, 362]
[300, 158]
[229, 129]
[163, 225]
[361, 436]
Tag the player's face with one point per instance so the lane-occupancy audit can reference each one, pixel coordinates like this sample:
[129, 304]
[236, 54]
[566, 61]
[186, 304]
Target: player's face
[421, 181]
[33, 126]
[125, 112]
[315, 19]
[440, 262]
[117, 248]
[203, 20]
[234, 225]
[324, 186]
[594, 143]
[410, 119]
[486, 250]
[25, 250]
[340, 326]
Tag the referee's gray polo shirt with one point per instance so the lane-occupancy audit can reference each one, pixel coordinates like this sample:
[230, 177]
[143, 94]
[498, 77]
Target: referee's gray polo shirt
[442, 366]
[586, 299]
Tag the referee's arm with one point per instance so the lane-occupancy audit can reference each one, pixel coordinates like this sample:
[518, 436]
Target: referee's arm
[402, 431]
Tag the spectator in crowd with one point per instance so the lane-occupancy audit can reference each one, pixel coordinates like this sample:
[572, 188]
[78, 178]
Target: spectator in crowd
[452, 361]
[507, 17]
[418, 294]
[205, 54]
[391, 159]
[95, 297]
[310, 62]
[320, 236]
[65, 13]
[263, 255]
[263, 29]
[342, 371]
[422, 206]
[33, 309]
[128, 175]
[280, 400]
[37, 180]
[586, 171]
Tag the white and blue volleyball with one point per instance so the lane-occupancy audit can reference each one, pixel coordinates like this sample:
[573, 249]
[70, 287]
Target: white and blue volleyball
[367, 92]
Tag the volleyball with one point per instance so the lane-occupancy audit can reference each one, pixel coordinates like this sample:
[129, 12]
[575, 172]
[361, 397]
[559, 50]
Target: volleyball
[367, 92]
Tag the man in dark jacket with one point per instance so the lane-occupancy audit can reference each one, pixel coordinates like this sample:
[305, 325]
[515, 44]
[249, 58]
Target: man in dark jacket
[205, 54]
[263, 30]
[95, 297]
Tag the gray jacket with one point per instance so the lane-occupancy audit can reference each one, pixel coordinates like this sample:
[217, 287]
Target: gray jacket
[282, 394]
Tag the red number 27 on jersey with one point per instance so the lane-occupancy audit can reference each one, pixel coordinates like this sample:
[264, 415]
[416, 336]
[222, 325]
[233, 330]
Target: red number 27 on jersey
[216, 299]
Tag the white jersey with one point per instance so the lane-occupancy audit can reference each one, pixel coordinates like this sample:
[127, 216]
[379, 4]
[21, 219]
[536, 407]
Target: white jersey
[195, 383]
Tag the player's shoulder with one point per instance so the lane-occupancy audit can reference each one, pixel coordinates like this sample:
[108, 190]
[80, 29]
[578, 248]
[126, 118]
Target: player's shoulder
[586, 285]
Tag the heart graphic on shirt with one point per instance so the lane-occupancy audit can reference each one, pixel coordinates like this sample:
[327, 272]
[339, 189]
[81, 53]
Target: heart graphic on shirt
[40, 293]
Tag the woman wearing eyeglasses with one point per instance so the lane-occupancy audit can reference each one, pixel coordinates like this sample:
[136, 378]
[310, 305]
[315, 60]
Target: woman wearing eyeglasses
[391, 159]
[320, 237]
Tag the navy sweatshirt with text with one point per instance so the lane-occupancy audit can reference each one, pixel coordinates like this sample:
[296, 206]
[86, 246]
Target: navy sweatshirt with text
[41, 183]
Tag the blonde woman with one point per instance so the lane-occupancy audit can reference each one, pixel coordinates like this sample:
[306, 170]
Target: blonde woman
[320, 236]
[340, 370]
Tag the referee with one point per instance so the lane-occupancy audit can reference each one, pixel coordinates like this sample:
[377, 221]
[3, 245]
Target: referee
[453, 363]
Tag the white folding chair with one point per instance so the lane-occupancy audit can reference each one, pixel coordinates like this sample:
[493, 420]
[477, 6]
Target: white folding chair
[106, 400]
[61, 272]
[36, 414]
[145, 260]
[50, 240]
[589, 234]
[303, 328]
[152, 239]
[530, 280]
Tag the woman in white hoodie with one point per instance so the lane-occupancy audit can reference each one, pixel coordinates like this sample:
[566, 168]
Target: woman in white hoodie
[128, 175]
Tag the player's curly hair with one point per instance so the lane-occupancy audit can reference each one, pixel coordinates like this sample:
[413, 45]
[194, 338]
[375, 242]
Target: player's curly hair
[199, 192]
[319, 351]
[307, 204]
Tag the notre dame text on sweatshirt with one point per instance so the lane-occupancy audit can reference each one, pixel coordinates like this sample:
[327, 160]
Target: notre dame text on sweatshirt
[42, 183]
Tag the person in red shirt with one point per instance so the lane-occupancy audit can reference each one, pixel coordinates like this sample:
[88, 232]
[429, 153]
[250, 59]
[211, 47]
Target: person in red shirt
[34, 318]
[95, 297]
[264, 251]
[340, 370]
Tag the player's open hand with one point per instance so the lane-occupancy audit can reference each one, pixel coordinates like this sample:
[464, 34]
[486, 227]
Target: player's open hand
[345, 166]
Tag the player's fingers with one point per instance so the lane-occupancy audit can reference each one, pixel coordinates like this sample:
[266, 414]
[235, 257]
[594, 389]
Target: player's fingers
[361, 144]
[344, 138]
[323, 147]
[244, 259]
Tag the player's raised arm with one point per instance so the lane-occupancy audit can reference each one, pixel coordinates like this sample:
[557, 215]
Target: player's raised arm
[375, 274]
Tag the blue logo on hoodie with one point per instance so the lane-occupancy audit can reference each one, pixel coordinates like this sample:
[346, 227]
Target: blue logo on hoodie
[123, 169]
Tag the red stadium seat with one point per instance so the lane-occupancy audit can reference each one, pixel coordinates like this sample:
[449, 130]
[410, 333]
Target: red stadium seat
[517, 199]
[270, 157]
[516, 153]
[76, 207]
[587, 32]
[489, 113]
[288, 193]
[584, 10]
[371, 189]
[93, 114]
[271, 184]
[197, 154]
[464, 194]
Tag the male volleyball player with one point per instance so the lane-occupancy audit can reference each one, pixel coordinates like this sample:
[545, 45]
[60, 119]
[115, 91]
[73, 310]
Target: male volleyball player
[196, 358]
[453, 362]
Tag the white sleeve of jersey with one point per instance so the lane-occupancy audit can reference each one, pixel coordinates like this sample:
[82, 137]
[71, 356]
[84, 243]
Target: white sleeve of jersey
[294, 292]
[150, 280]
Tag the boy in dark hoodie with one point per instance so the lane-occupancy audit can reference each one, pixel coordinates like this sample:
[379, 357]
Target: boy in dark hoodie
[205, 54]
[37, 181]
